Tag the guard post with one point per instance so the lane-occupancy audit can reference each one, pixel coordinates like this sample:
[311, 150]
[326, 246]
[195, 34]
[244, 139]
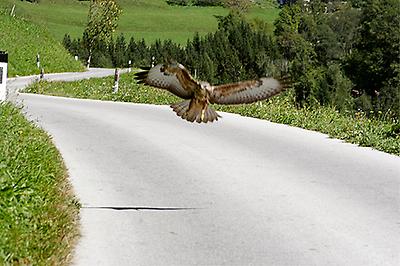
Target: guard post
[116, 81]
[3, 75]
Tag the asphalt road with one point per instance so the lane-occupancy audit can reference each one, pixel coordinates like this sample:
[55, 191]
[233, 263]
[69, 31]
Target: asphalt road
[157, 190]
[17, 83]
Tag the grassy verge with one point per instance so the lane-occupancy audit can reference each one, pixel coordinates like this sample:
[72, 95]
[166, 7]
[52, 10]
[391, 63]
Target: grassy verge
[382, 135]
[38, 214]
[24, 40]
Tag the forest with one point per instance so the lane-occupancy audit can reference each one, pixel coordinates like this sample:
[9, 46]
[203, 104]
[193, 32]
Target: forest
[341, 54]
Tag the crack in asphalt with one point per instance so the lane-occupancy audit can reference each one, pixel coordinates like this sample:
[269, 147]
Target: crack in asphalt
[138, 208]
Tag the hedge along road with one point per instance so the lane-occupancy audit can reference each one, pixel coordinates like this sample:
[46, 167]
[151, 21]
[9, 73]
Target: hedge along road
[157, 190]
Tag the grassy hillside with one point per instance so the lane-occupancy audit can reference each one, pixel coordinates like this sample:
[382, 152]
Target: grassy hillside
[358, 129]
[140, 18]
[23, 40]
[38, 214]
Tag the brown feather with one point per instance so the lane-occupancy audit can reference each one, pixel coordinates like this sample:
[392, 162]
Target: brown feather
[195, 110]
[169, 77]
[248, 91]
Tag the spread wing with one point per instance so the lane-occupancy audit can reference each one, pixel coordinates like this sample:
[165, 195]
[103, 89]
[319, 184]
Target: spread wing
[248, 91]
[172, 77]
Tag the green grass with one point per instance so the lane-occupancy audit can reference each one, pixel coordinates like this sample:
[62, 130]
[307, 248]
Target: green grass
[38, 214]
[23, 40]
[146, 19]
[382, 135]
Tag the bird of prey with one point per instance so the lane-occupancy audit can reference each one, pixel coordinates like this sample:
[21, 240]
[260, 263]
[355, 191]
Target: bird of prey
[198, 95]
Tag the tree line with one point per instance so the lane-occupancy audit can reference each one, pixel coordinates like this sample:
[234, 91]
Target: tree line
[344, 54]
[234, 52]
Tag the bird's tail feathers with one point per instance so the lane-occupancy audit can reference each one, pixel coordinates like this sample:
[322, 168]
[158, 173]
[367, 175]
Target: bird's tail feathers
[192, 110]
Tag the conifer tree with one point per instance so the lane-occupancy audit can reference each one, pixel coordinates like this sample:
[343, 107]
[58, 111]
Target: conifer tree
[119, 56]
[67, 42]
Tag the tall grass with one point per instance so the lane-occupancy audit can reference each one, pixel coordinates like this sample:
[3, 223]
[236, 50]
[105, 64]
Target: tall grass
[38, 214]
[23, 40]
[381, 134]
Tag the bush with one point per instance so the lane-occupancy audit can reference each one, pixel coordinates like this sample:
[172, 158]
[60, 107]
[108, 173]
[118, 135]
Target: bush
[207, 2]
[195, 2]
[178, 2]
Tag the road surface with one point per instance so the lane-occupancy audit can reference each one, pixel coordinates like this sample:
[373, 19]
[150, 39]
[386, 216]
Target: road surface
[17, 83]
[157, 190]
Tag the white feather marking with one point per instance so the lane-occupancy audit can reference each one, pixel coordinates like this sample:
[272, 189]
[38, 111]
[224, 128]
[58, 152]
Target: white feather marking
[159, 79]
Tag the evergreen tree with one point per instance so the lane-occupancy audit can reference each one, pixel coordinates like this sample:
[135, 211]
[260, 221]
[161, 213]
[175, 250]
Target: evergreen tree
[144, 54]
[132, 52]
[101, 55]
[67, 42]
[120, 58]
[228, 66]
[156, 52]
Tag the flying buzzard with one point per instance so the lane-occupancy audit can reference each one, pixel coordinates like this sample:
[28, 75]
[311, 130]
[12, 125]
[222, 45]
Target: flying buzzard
[175, 78]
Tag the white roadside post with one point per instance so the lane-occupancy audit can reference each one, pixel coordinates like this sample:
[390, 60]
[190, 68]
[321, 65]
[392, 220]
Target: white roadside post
[38, 60]
[12, 14]
[116, 81]
[3, 76]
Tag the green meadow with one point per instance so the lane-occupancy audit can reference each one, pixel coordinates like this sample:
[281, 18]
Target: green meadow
[146, 19]
[23, 40]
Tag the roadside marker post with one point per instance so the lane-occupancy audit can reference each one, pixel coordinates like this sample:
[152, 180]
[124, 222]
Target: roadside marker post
[3, 75]
[12, 14]
[38, 60]
[41, 75]
[116, 81]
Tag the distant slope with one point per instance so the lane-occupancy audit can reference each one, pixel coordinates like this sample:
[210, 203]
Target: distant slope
[23, 40]
[149, 19]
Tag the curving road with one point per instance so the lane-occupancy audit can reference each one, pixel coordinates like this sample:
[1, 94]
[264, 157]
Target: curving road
[17, 83]
[157, 190]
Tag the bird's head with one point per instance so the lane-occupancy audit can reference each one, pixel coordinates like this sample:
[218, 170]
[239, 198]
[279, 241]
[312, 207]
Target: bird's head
[205, 85]
[171, 67]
